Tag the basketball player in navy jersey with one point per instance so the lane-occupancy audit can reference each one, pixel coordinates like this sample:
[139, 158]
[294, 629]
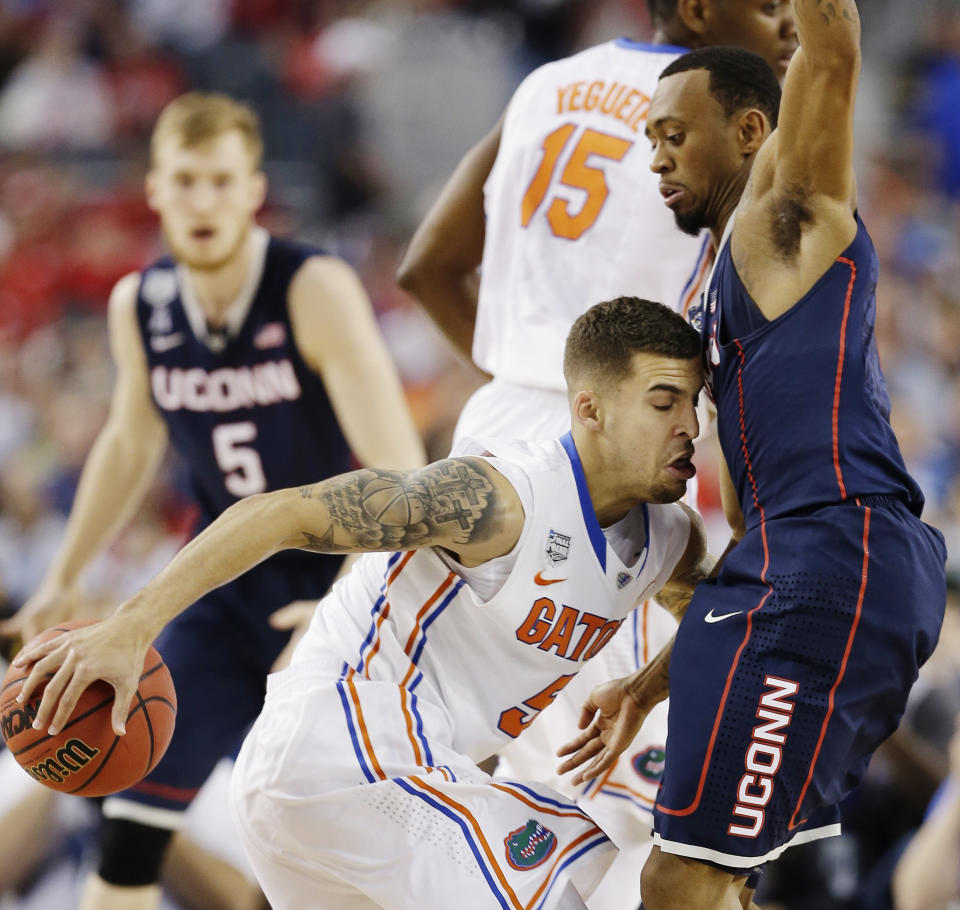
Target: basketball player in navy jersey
[794, 663]
[260, 360]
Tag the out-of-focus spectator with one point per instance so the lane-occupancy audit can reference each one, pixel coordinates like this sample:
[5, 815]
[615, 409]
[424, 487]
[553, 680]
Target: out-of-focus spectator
[927, 877]
[186, 25]
[56, 99]
[933, 102]
[30, 530]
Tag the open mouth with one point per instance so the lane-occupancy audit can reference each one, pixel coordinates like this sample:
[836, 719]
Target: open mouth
[671, 194]
[682, 467]
[204, 233]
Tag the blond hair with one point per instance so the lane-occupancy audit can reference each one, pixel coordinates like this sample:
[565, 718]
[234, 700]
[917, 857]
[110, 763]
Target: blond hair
[196, 117]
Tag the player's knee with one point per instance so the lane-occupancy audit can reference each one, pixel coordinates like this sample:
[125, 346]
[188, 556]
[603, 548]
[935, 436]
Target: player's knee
[131, 852]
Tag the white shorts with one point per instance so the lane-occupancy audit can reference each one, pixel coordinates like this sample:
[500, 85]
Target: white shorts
[349, 794]
[505, 410]
[621, 801]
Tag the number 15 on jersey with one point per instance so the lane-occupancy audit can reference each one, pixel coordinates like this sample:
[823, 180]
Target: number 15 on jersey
[579, 173]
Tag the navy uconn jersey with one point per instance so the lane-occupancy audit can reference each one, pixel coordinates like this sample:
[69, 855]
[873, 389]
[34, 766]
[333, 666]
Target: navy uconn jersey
[247, 415]
[814, 374]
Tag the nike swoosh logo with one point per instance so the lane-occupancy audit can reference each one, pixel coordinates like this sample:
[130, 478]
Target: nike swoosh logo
[161, 343]
[540, 580]
[711, 618]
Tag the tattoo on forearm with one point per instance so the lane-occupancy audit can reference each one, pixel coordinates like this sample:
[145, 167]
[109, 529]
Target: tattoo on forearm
[380, 510]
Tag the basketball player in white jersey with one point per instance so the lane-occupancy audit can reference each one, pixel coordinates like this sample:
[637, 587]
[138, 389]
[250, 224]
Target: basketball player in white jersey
[559, 204]
[358, 786]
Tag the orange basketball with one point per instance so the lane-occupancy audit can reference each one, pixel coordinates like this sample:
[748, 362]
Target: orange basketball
[86, 757]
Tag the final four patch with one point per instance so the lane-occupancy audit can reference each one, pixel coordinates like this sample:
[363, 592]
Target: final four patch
[529, 846]
[649, 764]
[558, 546]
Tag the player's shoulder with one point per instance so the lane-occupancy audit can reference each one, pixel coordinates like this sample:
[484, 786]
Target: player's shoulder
[532, 458]
[672, 519]
[282, 247]
[564, 66]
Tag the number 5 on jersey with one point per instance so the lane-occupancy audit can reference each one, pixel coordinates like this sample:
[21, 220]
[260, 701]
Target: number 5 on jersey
[515, 720]
[241, 465]
[578, 174]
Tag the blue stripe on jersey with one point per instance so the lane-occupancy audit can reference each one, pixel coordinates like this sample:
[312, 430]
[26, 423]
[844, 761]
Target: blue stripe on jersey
[629, 45]
[594, 531]
[555, 875]
[415, 683]
[513, 785]
[423, 739]
[437, 611]
[646, 540]
[353, 735]
[608, 791]
[474, 848]
[590, 786]
[704, 247]
[636, 638]
[374, 612]
[449, 770]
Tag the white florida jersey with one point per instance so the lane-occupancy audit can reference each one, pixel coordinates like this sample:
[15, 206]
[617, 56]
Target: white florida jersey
[492, 665]
[574, 215]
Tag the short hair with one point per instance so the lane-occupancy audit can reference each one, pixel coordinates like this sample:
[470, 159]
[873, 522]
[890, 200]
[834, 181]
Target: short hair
[738, 79]
[661, 10]
[196, 117]
[603, 340]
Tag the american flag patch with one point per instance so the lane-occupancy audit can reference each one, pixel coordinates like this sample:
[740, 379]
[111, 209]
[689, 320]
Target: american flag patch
[272, 335]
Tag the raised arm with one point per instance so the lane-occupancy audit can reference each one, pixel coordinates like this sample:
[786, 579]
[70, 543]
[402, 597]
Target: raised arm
[337, 335]
[115, 477]
[460, 504]
[814, 144]
[440, 265]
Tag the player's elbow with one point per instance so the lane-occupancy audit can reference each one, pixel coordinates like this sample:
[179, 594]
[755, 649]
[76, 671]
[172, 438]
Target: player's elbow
[838, 59]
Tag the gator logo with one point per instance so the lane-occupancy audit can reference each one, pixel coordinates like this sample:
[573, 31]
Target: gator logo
[649, 764]
[529, 846]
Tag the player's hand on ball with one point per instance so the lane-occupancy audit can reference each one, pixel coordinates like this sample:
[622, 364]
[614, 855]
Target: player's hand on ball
[110, 650]
[610, 719]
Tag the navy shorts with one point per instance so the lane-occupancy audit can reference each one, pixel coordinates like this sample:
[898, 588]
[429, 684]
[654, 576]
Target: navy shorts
[219, 652]
[789, 669]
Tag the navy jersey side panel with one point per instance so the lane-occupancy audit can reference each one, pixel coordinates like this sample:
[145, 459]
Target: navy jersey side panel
[249, 418]
[814, 375]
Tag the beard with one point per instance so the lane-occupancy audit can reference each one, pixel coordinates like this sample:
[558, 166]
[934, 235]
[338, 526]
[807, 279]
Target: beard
[693, 221]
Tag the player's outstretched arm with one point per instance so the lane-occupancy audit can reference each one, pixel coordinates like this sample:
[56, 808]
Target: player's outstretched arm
[614, 712]
[461, 504]
[440, 266]
[814, 140]
[337, 335]
[115, 478]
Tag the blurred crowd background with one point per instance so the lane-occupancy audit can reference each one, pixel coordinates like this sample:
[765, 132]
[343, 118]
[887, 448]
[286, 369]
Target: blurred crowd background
[366, 109]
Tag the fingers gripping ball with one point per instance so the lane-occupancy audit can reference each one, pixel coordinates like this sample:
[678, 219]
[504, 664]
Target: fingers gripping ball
[86, 757]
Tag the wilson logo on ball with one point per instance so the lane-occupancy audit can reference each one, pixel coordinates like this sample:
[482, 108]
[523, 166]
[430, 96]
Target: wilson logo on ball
[74, 755]
[18, 719]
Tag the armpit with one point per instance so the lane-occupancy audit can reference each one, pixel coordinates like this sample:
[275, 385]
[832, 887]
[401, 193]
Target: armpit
[789, 213]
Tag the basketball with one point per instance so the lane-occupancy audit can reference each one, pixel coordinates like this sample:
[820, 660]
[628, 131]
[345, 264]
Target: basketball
[86, 757]
[393, 504]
